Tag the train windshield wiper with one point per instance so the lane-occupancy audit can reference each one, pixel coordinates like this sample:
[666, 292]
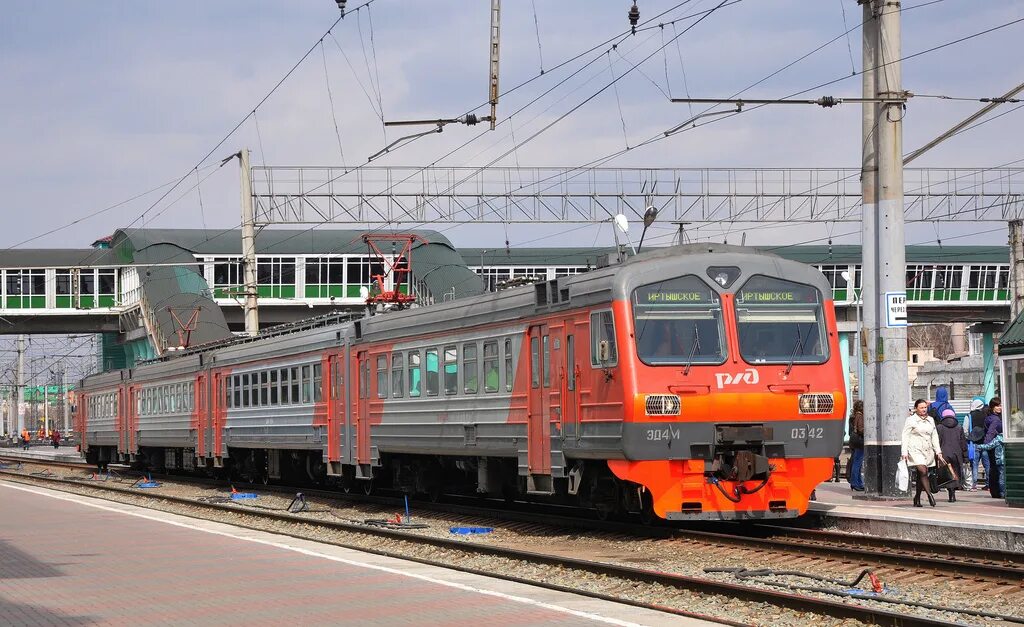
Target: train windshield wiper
[693, 350]
[799, 348]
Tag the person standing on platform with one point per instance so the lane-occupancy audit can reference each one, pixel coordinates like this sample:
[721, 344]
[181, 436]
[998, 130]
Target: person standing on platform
[940, 405]
[998, 452]
[55, 438]
[921, 448]
[857, 446]
[974, 427]
[993, 427]
[26, 439]
[953, 443]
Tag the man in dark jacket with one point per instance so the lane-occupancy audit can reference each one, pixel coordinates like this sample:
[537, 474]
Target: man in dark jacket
[857, 446]
[993, 427]
[979, 411]
[953, 443]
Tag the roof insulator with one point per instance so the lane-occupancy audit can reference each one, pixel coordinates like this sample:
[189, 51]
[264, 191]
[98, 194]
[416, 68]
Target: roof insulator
[341, 6]
[471, 119]
[634, 17]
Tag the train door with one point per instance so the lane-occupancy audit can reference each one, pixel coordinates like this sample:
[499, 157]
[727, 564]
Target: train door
[218, 401]
[538, 425]
[132, 413]
[335, 409]
[199, 415]
[568, 375]
[121, 420]
[362, 430]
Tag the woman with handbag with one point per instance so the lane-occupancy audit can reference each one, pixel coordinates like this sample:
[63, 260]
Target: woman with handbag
[921, 448]
[953, 443]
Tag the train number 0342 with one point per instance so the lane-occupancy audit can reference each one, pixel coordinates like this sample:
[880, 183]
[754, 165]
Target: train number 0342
[808, 433]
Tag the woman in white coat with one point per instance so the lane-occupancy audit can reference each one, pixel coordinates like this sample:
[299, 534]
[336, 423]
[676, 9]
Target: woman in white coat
[921, 448]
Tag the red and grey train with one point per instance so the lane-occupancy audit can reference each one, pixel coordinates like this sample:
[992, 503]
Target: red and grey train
[691, 383]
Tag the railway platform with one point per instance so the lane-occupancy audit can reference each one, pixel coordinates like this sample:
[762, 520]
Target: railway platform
[126, 564]
[44, 453]
[976, 519]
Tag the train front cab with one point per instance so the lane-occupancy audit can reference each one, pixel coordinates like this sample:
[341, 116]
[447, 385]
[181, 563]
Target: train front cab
[737, 391]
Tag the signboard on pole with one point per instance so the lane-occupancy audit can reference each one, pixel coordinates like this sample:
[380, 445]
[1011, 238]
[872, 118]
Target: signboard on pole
[895, 309]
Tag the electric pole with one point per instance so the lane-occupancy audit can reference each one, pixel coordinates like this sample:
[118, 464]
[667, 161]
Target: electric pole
[885, 277]
[252, 318]
[1016, 267]
[19, 385]
[64, 386]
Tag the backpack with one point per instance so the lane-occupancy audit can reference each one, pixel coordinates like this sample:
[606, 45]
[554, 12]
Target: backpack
[977, 435]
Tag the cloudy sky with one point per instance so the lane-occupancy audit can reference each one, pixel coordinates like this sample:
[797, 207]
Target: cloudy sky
[105, 101]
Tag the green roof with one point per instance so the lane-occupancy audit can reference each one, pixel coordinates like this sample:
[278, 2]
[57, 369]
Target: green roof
[1011, 342]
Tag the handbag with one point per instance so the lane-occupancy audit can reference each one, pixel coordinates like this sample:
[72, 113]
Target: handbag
[902, 477]
[945, 475]
[933, 478]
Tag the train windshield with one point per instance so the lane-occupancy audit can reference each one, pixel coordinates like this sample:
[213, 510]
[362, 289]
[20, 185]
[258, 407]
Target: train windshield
[678, 322]
[780, 322]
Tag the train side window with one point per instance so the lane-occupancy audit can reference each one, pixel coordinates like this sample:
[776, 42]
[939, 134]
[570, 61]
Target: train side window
[295, 381]
[414, 374]
[602, 329]
[245, 390]
[275, 388]
[470, 369]
[397, 378]
[264, 388]
[285, 387]
[535, 362]
[510, 373]
[570, 361]
[491, 373]
[430, 356]
[451, 370]
[547, 362]
[307, 385]
[318, 382]
[382, 376]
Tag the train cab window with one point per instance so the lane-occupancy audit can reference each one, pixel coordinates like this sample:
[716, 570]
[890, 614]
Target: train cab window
[451, 370]
[318, 382]
[397, 378]
[510, 373]
[780, 321]
[678, 322]
[382, 376]
[491, 373]
[469, 369]
[602, 329]
[430, 356]
[414, 374]
[307, 385]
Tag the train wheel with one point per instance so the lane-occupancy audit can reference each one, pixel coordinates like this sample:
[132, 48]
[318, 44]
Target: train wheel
[647, 515]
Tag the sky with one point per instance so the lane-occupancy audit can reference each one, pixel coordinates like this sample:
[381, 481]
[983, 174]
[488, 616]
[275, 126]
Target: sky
[107, 101]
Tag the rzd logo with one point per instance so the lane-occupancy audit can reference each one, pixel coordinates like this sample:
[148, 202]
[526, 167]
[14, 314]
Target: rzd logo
[748, 376]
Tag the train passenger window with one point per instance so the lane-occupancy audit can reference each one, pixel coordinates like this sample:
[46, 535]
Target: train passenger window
[295, 384]
[451, 370]
[509, 370]
[285, 387]
[430, 356]
[547, 362]
[570, 361]
[678, 322]
[318, 382]
[602, 329]
[274, 388]
[382, 376]
[780, 321]
[491, 374]
[264, 388]
[414, 374]
[307, 385]
[469, 369]
[245, 390]
[397, 375]
[534, 362]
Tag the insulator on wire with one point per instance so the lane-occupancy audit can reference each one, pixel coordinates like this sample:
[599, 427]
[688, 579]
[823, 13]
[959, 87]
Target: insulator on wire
[341, 6]
[634, 17]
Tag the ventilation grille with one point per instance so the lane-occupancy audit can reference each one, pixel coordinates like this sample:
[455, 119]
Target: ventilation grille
[816, 404]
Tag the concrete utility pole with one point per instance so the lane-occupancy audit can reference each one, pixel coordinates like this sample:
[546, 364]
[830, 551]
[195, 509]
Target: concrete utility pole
[64, 386]
[19, 385]
[492, 81]
[252, 317]
[885, 277]
[1016, 267]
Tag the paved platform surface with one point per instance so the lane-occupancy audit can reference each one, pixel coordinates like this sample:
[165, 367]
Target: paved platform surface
[976, 519]
[70, 560]
[44, 453]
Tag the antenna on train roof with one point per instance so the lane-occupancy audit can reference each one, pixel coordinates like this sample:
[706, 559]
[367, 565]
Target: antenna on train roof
[621, 224]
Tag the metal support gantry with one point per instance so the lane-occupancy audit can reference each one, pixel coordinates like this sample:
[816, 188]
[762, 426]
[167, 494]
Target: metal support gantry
[373, 195]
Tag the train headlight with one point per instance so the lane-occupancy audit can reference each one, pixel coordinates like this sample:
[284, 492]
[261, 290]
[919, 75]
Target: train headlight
[662, 405]
[816, 403]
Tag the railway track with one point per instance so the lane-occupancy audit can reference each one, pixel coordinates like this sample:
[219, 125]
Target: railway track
[848, 606]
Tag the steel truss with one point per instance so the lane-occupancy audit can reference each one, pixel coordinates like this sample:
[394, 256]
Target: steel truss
[395, 195]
